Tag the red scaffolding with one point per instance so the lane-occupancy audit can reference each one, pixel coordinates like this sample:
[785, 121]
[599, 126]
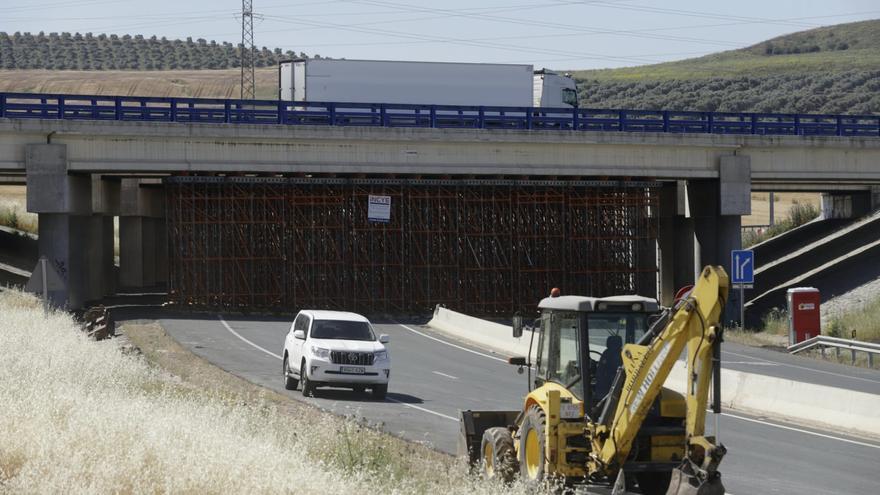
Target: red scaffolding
[485, 247]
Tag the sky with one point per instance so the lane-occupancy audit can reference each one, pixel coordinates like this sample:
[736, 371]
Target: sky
[559, 34]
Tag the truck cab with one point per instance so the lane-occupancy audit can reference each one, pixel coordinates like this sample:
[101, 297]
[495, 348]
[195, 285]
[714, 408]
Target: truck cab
[554, 90]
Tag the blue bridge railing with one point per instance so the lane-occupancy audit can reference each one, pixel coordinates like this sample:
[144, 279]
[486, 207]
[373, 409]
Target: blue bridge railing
[205, 110]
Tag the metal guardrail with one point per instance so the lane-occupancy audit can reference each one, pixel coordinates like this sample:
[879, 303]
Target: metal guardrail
[220, 111]
[824, 341]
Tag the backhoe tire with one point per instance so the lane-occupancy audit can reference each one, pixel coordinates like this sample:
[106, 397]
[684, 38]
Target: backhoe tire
[497, 455]
[654, 483]
[532, 443]
[290, 382]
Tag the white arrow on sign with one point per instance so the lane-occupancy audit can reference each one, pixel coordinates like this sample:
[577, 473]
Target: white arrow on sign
[741, 267]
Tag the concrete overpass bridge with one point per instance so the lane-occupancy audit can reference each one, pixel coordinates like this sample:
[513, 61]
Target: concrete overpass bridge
[88, 162]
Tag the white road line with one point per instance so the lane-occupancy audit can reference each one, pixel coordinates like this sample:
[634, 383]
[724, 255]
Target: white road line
[801, 368]
[451, 344]
[246, 341]
[808, 432]
[435, 413]
[444, 374]
[255, 346]
[755, 363]
[723, 414]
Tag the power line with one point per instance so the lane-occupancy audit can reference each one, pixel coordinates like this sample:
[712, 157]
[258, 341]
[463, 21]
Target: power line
[536, 23]
[690, 13]
[54, 5]
[503, 38]
[413, 36]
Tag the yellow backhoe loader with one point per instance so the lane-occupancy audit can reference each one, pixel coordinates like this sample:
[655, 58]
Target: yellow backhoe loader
[597, 412]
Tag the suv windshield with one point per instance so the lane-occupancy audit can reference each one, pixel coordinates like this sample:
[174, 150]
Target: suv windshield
[342, 330]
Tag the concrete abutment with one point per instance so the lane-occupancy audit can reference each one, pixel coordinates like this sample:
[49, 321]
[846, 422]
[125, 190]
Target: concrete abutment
[76, 227]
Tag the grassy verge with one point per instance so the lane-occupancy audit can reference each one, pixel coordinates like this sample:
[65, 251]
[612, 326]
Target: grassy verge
[13, 213]
[798, 215]
[773, 333]
[864, 322]
[86, 417]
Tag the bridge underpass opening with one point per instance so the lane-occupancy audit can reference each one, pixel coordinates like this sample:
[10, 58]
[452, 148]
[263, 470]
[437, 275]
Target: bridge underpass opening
[485, 247]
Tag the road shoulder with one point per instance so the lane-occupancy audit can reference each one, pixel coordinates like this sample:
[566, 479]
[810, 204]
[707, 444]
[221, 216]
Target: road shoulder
[199, 375]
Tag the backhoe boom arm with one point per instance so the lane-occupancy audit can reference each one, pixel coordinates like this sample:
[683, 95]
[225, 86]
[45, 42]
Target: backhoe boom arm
[695, 324]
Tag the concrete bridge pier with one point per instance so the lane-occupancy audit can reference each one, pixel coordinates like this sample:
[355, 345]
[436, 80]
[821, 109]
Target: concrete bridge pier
[105, 206]
[143, 258]
[717, 208]
[675, 242]
[700, 223]
[63, 203]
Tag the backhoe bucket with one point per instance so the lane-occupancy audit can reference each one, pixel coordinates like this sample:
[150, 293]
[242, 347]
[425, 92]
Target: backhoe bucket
[685, 483]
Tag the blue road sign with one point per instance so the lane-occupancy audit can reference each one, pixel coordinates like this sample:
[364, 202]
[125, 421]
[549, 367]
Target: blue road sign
[742, 263]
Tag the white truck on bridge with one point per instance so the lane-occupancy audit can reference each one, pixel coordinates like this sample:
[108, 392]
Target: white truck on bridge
[423, 83]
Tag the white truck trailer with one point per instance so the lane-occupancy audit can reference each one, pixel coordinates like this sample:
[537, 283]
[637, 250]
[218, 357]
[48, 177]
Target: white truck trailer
[423, 83]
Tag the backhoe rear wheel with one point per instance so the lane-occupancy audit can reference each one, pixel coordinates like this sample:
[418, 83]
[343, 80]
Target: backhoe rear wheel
[532, 442]
[497, 454]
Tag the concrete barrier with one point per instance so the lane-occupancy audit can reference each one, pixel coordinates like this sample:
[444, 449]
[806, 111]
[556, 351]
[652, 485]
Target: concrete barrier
[805, 403]
[491, 335]
[826, 407]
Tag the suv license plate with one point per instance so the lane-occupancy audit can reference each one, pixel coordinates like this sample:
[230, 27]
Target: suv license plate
[354, 370]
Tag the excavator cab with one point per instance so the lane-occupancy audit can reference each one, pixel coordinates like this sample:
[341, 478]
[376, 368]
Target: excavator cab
[580, 340]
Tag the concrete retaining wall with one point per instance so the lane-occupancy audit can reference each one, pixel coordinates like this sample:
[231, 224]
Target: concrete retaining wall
[494, 336]
[804, 403]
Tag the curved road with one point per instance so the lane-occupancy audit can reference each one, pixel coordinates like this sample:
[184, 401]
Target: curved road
[433, 378]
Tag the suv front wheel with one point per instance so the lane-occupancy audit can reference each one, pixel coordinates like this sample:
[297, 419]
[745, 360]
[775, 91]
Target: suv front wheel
[380, 391]
[290, 382]
[308, 389]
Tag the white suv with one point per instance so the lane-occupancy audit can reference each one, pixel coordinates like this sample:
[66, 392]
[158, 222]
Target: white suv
[338, 349]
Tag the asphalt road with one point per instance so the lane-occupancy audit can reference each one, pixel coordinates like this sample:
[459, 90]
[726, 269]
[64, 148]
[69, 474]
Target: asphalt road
[433, 379]
[798, 368]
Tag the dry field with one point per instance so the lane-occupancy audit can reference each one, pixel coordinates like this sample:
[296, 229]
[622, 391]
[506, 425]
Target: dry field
[782, 204]
[180, 83]
[13, 209]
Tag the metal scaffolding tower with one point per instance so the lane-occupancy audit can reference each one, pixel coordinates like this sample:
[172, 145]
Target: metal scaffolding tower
[485, 247]
[248, 51]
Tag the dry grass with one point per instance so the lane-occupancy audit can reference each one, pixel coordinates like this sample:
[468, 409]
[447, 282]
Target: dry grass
[861, 323]
[13, 209]
[782, 206]
[773, 332]
[865, 320]
[755, 339]
[173, 83]
[85, 417]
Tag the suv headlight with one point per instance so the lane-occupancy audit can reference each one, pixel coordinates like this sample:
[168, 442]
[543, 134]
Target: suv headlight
[381, 355]
[320, 352]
